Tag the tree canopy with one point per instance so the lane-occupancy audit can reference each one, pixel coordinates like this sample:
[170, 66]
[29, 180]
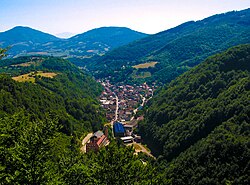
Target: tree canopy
[199, 123]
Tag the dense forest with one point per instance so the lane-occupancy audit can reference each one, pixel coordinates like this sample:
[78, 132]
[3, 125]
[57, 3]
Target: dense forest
[175, 50]
[199, 123]
[70, 95]
[36, 152]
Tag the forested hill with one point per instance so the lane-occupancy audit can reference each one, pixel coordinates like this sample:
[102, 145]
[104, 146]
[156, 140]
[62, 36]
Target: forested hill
[43, 85]
[111, 36]
[200, 122]
[175, 50]
[27, 41]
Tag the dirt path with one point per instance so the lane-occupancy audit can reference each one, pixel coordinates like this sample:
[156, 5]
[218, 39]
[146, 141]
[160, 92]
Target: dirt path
[140, 148]
[84, 141]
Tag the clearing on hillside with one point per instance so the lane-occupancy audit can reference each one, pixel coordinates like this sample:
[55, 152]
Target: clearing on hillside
[30, 77]
[145, 65]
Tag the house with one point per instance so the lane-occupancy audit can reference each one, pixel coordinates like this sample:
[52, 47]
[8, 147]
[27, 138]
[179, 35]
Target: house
[96, 141]
[119, 130]
[127, 139]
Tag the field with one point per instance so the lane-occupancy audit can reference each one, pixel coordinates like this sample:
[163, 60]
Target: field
[145, 65]
[30, 77]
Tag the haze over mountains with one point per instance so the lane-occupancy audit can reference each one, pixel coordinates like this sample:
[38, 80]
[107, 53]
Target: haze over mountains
[65, 35]
[28, 41]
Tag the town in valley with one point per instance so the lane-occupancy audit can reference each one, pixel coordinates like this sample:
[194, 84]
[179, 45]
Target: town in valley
[122, 103]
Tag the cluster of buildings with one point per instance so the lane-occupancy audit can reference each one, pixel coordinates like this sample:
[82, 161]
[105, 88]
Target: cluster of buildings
[121, 101]
[124, 132]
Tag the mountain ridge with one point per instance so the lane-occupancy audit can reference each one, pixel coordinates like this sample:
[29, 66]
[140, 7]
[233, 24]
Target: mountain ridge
[175, 50]
[29, 41]
[24, 33]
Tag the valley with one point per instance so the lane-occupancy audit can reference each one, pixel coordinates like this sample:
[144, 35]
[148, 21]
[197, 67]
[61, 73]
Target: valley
[116, 106]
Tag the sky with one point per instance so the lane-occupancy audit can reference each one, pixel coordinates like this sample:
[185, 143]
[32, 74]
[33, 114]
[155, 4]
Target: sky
[78, 16]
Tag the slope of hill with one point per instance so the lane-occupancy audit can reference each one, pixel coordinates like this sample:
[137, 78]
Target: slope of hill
[200, 121]
[175, 50]
[27, 41]
[58, 87]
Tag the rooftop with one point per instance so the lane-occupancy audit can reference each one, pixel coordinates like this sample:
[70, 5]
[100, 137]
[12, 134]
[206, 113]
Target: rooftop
[98, 134]
[126, 138]
[99, 142]
[119, 128]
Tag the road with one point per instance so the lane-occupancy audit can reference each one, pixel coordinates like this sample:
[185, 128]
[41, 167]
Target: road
[142, 104]
[84, 141]
[117, 107]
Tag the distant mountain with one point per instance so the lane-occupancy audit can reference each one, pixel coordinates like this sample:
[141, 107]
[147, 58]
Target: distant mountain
[199, 123]
[26, 35]
[110, 36]
[175, 50]
[96, 42]
[27, 41]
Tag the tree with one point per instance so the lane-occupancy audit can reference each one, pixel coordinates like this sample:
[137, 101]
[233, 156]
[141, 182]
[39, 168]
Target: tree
[3, 52]
[25, 148]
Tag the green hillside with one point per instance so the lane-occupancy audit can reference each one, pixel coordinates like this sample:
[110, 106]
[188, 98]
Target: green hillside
[68, 94]
[199, 123]
[175, 50]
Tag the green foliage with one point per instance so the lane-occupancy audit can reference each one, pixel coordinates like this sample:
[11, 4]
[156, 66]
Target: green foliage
[35, 152]
[2, 53]
[200, 121]
[118, 165]
[25, 149]
[71, 95]
[220, 158]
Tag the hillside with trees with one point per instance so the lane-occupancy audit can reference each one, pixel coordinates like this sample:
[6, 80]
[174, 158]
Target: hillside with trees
[70, 95]
[175, 50]
[199, 123]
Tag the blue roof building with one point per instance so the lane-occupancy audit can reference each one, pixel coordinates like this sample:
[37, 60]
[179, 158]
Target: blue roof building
[119, 130]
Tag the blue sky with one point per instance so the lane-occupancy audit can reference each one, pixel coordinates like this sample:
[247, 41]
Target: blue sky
[77, 16]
